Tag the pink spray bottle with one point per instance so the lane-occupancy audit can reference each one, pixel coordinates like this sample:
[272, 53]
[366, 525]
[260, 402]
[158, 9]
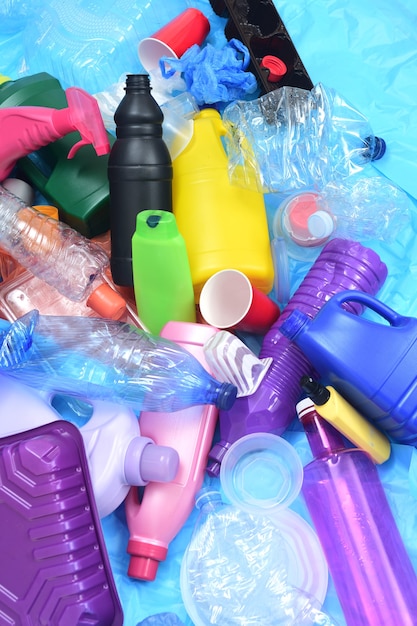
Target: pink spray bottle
[155, 520]
[25, 129]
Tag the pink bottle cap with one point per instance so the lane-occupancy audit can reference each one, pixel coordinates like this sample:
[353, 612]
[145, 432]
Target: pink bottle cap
[145, 559]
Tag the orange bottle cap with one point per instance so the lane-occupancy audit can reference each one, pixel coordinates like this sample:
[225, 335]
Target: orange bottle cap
[107, 302]
[46, 209]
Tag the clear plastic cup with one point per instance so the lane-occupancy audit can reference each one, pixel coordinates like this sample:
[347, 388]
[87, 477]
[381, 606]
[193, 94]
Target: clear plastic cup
[261, 473]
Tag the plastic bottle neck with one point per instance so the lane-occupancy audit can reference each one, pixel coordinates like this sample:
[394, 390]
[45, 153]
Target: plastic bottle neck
[137, 82]
[323, 438]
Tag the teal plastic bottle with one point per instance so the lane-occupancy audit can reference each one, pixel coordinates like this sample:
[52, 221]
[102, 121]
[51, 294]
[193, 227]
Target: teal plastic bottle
[371, 362]
[79, 186]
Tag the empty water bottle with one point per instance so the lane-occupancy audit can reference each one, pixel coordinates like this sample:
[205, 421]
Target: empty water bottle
[235, 571]
[50, 249]
[102, 359]
[293, 138]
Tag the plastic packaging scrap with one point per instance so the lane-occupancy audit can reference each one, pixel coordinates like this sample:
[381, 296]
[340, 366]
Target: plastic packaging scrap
[101, 359]
[366, 207]
[234, 571]
[292, 138]
[214, 75]
[230, 360]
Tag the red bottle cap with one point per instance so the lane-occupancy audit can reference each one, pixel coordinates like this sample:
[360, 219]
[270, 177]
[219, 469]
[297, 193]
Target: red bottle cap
[277, 68]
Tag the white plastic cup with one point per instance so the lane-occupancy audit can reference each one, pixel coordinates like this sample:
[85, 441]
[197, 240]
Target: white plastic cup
[228, 300]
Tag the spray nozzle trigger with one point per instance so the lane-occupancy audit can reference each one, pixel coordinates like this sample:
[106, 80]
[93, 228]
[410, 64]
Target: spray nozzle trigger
[85, 117]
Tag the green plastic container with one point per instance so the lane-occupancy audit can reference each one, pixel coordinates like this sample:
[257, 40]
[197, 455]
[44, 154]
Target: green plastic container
[161, 271]
[78, 187]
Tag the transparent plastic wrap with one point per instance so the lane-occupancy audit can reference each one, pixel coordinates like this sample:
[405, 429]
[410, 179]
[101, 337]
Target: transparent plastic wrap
[109, 360]
[234, 571]
[292, 138]
[50, 249]
[91, 44]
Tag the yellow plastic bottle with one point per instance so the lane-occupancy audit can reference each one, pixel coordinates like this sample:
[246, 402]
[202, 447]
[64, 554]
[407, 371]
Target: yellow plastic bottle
[224, 226]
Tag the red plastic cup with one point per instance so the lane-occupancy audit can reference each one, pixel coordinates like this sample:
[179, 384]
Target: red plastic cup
[228, 300]
[188, 28]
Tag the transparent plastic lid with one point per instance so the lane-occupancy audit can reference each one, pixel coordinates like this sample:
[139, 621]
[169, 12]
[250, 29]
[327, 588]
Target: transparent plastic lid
[261, 473]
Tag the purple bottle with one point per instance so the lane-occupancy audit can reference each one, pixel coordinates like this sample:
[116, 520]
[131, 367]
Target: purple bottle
[371, 570]
[342, 264]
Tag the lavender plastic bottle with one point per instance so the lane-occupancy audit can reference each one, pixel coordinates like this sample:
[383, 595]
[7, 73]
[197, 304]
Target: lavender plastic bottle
[372, 572]
[342, 264]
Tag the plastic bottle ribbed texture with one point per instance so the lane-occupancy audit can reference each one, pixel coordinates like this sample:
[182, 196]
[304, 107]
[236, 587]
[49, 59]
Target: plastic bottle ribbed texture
[341, 265]
[372, 572]
[108, 360]
[139, 171]
[293, 138]
[49, 248]
[235, 568]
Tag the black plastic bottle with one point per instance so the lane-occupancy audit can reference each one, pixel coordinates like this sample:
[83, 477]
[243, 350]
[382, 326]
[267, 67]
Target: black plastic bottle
[139, 171]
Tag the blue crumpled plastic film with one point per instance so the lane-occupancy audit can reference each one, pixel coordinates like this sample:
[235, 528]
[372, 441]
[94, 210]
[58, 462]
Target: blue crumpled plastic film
[367, 51]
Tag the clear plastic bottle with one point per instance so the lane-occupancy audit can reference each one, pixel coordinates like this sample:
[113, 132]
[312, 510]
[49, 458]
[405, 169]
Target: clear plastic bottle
[293, 138]
[50, 249]
[234, 571]
[103, 359]
[372, 572]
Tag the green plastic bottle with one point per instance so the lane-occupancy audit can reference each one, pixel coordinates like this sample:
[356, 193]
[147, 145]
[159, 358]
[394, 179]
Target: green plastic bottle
[161, 271]
[78, 187]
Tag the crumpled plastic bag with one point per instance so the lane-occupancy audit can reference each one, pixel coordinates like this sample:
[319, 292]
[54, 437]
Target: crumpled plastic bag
[214, 75]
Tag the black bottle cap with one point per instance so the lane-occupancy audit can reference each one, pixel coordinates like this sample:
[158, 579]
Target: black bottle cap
[318, 393]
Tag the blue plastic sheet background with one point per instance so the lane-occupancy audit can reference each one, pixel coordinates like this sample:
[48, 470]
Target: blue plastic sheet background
[368, 52]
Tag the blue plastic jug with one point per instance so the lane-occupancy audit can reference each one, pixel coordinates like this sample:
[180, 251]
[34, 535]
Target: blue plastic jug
[372, 363]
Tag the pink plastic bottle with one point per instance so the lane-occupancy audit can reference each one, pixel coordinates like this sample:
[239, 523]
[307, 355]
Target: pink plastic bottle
[155, 521]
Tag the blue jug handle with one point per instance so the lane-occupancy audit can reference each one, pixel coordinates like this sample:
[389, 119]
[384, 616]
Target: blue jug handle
[366, 299]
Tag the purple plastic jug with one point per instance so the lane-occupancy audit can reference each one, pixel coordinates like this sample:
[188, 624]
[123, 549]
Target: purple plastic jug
[342, 264]
[371, 363]
[372, 572]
